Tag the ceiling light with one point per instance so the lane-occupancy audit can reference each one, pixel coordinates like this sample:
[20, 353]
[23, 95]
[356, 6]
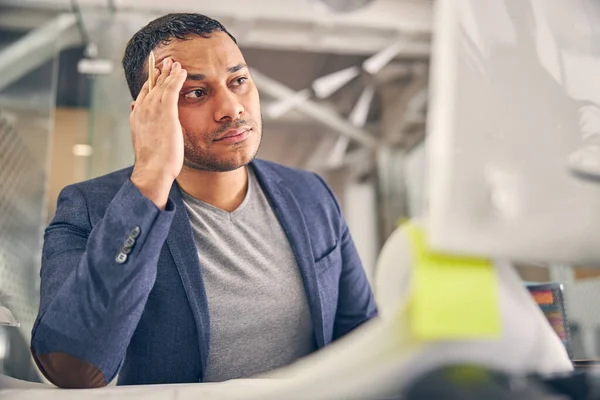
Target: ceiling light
[82, 150]
[345, 5]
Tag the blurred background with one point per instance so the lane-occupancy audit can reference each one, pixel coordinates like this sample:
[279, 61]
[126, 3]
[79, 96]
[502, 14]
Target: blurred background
[344, 88]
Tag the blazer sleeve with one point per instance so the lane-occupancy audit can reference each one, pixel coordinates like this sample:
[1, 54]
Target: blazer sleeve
[356, 303]
[95, 282]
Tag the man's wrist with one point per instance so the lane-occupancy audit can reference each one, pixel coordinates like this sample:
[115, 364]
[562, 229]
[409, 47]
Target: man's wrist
[154, 185]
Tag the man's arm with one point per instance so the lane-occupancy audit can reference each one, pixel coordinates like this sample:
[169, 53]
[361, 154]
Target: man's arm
[95, 283]
[356, 303]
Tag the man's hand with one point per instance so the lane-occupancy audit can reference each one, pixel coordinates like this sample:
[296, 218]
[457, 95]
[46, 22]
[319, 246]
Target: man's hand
[157, 134]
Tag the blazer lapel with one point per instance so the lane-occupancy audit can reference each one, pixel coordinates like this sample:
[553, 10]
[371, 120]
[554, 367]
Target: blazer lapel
[290, 216]
[183, 249]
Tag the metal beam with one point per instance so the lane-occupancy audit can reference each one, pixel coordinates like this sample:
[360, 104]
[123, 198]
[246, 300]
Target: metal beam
[24, 19]
[279, 25]
[408, 16]
[33, 50]
[295, 35]
[400, 106]
[324, 115]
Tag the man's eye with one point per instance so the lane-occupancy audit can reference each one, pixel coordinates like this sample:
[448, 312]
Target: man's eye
[195, 94]
[240, 81]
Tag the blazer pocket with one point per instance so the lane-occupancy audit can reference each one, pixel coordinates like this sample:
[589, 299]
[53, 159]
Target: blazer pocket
[328, 259]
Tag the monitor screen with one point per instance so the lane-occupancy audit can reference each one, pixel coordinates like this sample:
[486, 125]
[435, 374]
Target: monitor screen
[513, 143]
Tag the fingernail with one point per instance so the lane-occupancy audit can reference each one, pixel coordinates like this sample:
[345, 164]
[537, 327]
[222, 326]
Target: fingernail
[165, 62]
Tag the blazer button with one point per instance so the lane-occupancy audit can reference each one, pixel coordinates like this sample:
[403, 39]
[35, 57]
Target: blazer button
[126, 250]
[135, 232]
[129, 242]
[121, 258]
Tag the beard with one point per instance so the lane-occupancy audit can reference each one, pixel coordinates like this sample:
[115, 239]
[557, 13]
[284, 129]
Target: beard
[196, 157]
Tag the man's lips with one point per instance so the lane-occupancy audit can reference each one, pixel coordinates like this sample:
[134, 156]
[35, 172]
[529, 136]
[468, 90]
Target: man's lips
[234, 135]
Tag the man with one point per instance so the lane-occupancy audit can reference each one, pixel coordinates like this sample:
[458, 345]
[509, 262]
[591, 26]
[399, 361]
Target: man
[198, 263]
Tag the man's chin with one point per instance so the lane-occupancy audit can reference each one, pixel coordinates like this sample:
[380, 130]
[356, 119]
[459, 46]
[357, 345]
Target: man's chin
[217, 165]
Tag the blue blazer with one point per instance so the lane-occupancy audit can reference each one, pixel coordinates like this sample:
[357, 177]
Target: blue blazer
[145, 316]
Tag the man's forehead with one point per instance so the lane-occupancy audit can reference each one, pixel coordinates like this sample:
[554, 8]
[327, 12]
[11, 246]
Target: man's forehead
[218, 47]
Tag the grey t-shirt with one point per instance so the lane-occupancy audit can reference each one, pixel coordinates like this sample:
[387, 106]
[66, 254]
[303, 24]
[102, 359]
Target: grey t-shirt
[259, 316]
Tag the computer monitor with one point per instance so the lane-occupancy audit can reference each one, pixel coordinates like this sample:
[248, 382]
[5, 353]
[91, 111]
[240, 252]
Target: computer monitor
[513, 141]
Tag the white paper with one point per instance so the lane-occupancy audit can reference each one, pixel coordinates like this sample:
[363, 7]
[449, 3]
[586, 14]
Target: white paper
[7, 318]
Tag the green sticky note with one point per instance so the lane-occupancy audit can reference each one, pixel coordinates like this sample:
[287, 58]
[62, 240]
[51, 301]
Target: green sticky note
[452, 297]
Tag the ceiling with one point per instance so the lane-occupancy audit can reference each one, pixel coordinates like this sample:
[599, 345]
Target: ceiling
[291, 24]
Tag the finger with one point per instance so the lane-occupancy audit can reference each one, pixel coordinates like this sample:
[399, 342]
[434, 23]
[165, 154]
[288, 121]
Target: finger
[167, 64]
[175, 69]
[142, 94]
[173, 85]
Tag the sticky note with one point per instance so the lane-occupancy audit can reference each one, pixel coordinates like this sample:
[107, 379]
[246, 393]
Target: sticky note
[452, 297]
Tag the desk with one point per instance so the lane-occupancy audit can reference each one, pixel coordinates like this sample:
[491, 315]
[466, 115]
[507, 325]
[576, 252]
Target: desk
[14, 389]
[367, 364]
[375, 361]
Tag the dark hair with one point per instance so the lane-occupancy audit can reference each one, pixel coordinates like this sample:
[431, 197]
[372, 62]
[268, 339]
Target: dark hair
[161, 31]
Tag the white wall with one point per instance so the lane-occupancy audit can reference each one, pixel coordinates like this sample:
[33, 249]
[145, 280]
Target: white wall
[360, 211]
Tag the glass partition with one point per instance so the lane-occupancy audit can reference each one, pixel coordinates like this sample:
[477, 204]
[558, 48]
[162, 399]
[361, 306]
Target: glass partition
[26, 120]
[109, 134]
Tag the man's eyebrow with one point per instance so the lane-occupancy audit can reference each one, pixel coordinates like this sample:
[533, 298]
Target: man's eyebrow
[236, 68]
[231, 70]
[196, 77]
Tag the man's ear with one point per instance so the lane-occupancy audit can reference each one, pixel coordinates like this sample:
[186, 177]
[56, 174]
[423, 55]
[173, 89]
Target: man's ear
[132, 106]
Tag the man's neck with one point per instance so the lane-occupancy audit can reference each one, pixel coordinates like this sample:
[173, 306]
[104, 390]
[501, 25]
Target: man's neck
[224, 190]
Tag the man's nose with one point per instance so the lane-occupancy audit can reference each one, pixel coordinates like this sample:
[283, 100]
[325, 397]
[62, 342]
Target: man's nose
[228, 107]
